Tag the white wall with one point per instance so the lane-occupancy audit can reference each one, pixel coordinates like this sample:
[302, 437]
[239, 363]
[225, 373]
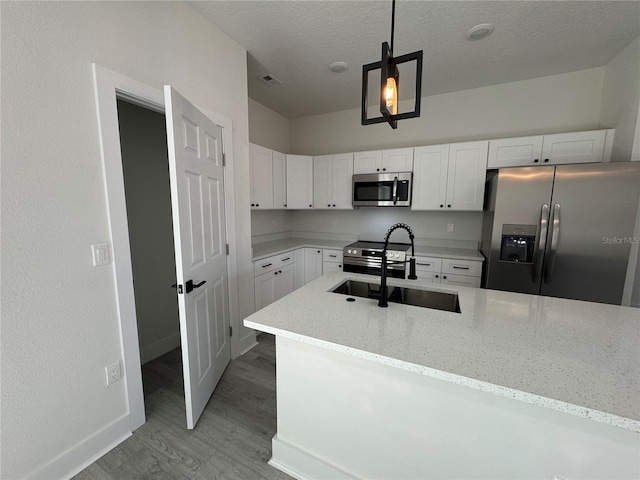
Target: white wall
[620, 99]
[143, 142]
[264, 222]
[373, 223]
[567, 102]
[268, 128]
[59, 319]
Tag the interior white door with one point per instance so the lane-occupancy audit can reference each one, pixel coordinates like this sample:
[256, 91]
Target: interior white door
[197, 201]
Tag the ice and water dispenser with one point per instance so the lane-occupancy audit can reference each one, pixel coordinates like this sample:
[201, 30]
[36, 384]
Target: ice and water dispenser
[518, 243]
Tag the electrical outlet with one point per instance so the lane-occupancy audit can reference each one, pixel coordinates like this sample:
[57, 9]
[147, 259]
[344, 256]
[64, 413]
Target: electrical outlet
[334, 223]
[113, 373]
[450, 227]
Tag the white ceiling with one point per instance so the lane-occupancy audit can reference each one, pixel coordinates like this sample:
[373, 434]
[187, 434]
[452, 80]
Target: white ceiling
[296, 40]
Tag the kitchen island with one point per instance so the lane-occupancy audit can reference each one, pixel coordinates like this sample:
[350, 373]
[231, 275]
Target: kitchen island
[514, 386]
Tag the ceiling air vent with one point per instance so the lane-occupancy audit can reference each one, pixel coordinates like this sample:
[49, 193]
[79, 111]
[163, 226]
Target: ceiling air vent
[270, 80]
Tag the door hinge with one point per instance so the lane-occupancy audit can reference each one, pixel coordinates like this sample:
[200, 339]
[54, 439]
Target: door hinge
[230, 331]
[224, 159]
[227, 249]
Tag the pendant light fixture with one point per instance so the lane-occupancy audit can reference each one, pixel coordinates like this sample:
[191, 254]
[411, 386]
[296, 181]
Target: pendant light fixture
[390, 82]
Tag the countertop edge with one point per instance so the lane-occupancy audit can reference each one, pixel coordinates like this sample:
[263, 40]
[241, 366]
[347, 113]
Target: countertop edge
[557, 405]
[421, 251]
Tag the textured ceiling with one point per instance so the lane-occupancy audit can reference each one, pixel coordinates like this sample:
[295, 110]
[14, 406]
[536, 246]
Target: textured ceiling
[296, 40]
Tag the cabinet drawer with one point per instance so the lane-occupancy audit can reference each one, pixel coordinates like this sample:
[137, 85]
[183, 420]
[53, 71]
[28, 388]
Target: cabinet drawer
[462, 267]
[328, 267]
[462, 280]
[332, 256]
[433, 277]
[271, 263]
[428, 264]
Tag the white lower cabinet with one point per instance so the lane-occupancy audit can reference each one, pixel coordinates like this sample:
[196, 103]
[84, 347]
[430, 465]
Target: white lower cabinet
[274, 278]
[312, 264]
[331, 261]
[298, 268]
[449, 271]
[279, 275]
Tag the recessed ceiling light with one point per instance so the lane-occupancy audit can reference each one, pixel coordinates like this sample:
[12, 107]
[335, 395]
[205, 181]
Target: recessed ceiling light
[480, 31]
[339, 67]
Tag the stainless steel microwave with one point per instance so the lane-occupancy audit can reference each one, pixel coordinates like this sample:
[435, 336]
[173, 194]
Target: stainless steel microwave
[382, 190]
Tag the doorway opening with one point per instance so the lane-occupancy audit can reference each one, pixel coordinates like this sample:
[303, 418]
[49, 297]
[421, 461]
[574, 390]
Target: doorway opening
[145, 167]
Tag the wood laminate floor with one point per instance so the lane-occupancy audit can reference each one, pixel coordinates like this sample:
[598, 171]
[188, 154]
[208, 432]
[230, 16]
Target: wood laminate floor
[232, 439]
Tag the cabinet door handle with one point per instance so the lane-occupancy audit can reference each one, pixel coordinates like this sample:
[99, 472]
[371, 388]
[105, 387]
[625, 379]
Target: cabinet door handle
[424, 264]
[267, 265]
[285, 259]
[333, 256]
[460, 268]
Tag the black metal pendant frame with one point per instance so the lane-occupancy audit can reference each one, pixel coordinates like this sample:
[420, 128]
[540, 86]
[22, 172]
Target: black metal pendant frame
[386, 65]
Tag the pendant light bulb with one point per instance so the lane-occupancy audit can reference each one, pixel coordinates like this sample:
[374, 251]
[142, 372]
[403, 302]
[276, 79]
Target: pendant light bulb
[391, 95]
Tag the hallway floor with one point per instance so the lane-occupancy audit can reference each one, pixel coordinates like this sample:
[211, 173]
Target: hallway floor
[232, 439]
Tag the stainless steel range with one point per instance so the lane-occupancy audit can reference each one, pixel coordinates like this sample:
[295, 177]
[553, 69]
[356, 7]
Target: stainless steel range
[366, 257]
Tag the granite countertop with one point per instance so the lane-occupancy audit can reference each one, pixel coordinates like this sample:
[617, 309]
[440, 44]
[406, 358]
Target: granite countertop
[275, 247]
[577, 357]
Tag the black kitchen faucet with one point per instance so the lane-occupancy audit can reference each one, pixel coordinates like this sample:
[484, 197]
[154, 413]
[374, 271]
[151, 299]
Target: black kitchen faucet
[412, 262]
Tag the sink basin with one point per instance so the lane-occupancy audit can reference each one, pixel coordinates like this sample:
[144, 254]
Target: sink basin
[407, 296]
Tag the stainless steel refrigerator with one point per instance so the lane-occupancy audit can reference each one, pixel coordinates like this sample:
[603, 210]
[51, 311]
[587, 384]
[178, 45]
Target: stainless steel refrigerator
[563, 231]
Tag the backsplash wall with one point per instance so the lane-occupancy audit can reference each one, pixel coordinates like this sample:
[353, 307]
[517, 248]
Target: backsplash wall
[369, 223]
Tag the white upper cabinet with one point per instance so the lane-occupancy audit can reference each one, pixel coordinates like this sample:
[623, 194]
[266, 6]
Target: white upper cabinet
[466, 175]
[322, 181]
[397, 160]
[450, 177]
[509, 152]
[279, 180]
[578, 147]
[378, 161]
[332, 181]
[430, 165]
[261, 177]
[367, 162]
[556, 149]
[299, 182]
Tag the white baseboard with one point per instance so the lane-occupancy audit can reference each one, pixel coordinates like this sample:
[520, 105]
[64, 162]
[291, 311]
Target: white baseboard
[162, 346]
[249, 347]
[83, 454]
[302, 465]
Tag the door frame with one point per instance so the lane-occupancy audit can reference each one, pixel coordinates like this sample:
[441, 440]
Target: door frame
[109, 86]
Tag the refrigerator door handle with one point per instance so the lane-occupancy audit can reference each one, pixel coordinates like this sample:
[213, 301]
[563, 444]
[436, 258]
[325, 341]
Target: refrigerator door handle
[555, 234]
[542, 243]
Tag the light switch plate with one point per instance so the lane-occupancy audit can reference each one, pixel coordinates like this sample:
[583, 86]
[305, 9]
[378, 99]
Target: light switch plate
[100, 253]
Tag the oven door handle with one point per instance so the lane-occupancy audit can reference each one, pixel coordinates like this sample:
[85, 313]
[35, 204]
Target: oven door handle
[394, 192]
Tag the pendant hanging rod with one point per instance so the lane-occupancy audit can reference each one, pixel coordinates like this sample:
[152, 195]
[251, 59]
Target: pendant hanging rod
[393, 20]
